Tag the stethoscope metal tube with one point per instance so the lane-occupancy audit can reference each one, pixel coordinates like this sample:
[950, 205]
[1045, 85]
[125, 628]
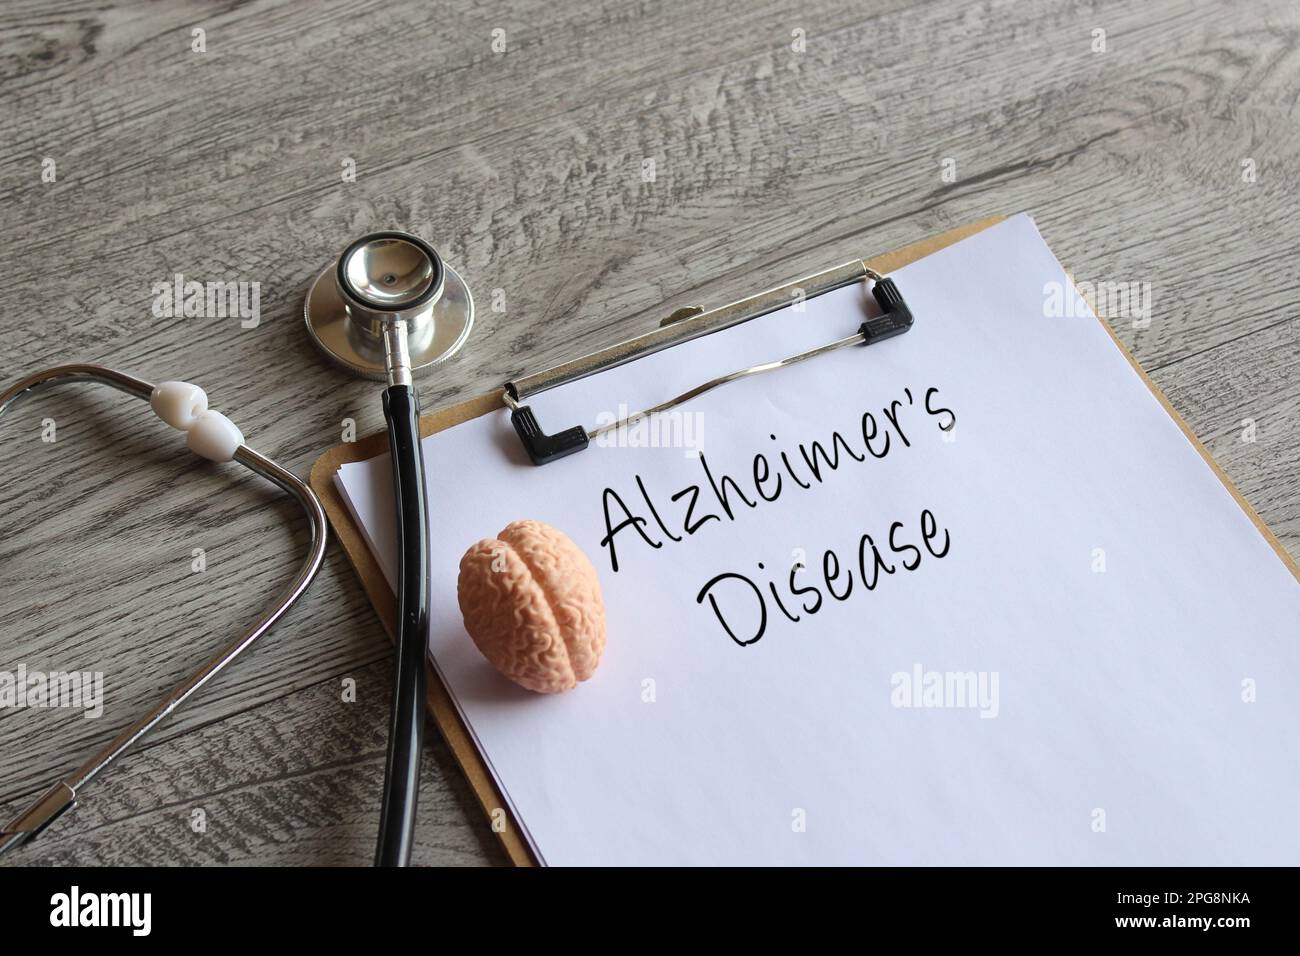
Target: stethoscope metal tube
[393, 307]
[63, 795]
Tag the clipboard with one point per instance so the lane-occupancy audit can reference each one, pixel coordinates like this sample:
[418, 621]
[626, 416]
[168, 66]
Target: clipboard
[439, 702]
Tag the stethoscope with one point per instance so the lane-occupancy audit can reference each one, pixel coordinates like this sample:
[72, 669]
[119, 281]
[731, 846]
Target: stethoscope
[387, 308]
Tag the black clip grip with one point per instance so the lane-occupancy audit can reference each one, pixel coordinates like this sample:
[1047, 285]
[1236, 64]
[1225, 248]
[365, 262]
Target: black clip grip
[541, 447]
[897, 317]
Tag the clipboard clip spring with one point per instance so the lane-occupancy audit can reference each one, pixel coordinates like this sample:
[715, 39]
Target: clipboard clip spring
[685, 324]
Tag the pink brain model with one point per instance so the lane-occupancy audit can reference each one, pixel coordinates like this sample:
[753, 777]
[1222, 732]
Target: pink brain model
[531, 602]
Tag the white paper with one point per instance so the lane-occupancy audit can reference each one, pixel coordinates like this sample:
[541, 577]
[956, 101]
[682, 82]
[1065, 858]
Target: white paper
[1141, 631]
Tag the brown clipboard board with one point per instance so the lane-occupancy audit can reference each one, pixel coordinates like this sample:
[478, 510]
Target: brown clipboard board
[381, 596]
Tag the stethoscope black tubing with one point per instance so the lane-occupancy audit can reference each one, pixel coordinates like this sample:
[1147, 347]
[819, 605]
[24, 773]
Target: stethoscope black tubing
[406, 731]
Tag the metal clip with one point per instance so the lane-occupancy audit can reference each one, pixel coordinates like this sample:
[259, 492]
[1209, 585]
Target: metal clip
[689, 323]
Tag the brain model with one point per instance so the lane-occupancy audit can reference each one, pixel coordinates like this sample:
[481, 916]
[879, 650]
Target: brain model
[531, 602]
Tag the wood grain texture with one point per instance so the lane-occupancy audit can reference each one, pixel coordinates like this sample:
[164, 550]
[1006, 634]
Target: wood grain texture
[525, 169]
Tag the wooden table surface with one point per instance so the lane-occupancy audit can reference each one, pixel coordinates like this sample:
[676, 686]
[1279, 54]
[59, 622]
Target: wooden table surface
[785, 137]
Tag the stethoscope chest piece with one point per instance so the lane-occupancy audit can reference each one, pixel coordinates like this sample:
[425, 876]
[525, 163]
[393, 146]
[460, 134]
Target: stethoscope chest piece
[379, 278]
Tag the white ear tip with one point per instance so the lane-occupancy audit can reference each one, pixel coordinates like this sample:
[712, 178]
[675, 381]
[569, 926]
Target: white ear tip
[214, 436]
[179, 404]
